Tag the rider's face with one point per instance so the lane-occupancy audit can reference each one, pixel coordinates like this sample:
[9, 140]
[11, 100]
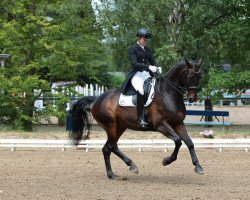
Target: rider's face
[143, 41]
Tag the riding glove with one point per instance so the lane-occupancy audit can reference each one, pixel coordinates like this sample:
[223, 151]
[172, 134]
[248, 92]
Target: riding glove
[159, 70]
[152, 68]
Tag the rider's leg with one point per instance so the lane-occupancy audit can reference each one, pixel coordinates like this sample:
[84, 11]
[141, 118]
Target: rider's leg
[141, 110]
[138, 83]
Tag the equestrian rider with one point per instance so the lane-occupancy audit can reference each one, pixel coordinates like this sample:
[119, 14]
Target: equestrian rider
[143, 67]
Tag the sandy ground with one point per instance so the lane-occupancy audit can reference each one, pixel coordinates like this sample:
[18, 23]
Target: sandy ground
[75, 174]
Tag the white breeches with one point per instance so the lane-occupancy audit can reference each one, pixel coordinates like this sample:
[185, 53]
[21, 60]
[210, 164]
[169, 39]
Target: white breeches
[138, 80]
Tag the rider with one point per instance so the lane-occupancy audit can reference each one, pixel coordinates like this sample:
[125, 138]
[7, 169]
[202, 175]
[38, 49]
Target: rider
[143, 67]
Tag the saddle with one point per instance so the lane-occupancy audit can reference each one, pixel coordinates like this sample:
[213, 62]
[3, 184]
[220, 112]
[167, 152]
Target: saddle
[149, 92]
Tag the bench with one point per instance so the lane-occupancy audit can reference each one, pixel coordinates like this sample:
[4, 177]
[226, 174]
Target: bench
[203, 113]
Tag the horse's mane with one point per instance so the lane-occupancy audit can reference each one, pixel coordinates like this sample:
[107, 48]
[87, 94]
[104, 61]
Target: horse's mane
[170, 73]
[174, 68]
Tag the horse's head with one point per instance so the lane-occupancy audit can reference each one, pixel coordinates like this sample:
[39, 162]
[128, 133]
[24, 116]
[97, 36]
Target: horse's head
[191, 79]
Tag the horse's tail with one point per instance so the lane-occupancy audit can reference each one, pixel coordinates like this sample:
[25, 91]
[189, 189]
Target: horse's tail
[80, 120]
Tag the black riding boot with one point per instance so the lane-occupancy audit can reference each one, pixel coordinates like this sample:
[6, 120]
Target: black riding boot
[141, 111]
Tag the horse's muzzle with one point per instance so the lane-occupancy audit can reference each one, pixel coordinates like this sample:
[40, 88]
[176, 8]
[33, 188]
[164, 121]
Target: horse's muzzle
[191, 100]
[192, 97]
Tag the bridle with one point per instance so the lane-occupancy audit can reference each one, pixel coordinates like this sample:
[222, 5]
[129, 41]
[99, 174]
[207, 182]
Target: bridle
[194, 87]
[183, 89]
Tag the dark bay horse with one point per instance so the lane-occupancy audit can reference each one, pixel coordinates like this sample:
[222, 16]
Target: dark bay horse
[166, 114]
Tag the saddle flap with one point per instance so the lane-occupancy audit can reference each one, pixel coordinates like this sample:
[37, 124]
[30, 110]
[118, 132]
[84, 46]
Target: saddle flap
[130, 100]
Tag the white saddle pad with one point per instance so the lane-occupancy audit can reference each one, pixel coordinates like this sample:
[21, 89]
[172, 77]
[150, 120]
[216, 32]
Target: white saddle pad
[126, 100]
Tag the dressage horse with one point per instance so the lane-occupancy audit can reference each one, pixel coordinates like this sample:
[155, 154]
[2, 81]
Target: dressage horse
[165, 115]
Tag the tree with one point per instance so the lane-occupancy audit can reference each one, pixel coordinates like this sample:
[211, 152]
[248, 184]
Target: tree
[215, 30]
[48, 41]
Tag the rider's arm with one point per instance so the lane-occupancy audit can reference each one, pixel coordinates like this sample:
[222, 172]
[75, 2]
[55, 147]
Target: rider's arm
[134, 61]
[152, 60]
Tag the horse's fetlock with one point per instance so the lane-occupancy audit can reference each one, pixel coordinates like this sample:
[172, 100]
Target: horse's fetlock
[196, 163]
[174, 158]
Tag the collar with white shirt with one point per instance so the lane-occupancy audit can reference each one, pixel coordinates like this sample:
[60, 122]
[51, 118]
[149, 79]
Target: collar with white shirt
[141, 46]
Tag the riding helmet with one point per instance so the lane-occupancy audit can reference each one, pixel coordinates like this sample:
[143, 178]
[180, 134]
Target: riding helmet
[143, 32]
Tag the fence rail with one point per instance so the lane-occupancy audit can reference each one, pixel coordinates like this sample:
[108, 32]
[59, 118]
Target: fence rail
[13, 144]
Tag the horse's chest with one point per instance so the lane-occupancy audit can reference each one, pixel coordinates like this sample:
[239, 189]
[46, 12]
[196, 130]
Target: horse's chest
[180, 116]
[180, 113]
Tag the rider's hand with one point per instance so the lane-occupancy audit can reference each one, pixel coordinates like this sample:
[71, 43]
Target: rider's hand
[159, 70]
[152, 68]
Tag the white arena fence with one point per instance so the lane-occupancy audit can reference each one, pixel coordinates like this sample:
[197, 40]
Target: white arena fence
[13, 144]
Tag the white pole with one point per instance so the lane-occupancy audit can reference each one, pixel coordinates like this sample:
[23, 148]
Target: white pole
[99, 91]
[86, 90]
[96, 90]
[81, 90]
[91, 90]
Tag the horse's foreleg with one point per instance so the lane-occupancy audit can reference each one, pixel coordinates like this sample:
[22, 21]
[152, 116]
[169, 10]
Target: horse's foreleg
[170, 133]
[182, 132]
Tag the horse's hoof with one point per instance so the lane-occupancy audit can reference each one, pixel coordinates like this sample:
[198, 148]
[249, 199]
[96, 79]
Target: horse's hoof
[113, 176]
[133, 168]
[198, 170]
[166, 161]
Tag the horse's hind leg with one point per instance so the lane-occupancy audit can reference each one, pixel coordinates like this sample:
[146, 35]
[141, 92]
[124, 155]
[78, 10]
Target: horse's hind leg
[132, 167]
[106, 150]
[182, 132]
[111, 146]
[170, 133]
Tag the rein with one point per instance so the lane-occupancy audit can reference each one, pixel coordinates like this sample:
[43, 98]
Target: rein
[178, 88]
[194, 71]
[182, 90]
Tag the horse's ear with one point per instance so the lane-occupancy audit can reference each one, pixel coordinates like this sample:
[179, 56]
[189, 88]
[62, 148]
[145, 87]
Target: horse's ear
[188, 63]
[199, 62]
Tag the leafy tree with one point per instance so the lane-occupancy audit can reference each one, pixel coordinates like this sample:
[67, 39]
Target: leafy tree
[48, 41]
[215, 30]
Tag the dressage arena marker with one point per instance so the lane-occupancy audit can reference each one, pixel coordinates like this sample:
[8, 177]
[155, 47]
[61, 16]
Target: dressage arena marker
[13, 144]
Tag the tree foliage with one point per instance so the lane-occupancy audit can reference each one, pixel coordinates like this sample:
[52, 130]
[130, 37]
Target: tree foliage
[68, 40]
[48, 41]
[215, 30]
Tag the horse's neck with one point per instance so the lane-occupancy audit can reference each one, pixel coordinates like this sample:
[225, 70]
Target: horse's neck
[171, 89]
[172, 80]
[175, 74]
[173, 99]
[170, 84]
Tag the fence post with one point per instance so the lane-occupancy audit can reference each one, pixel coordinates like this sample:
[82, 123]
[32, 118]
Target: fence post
[87, 148]
[140, 148]
[91, 88]
[86, 88]
[165, 149]
[102, 90]
[13, 148]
